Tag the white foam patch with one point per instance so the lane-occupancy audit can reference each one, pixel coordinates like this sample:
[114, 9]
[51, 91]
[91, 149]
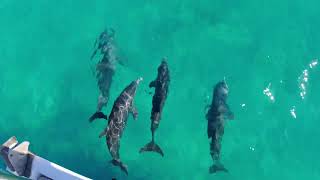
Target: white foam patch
[293, 112]
[252, 148]
[268, 93]
[304, 78]
[313, 63]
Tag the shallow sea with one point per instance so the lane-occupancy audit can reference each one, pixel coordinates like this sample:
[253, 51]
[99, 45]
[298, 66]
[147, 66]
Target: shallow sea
[261, 48]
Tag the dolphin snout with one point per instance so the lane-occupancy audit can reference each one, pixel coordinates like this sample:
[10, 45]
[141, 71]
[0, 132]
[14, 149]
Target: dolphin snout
[139, 80]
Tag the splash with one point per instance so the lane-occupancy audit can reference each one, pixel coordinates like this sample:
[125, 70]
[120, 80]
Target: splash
[293, 112]
[268, 93]
[304, 77]
[224, 80]
[303, 84]
[313, 63]
[303, 81]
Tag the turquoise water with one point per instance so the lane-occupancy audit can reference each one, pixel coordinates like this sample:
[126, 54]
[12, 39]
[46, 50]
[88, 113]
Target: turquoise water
[6, 176]
[47, 90]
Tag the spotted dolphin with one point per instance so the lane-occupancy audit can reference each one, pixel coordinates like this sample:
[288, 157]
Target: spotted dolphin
[117, 121]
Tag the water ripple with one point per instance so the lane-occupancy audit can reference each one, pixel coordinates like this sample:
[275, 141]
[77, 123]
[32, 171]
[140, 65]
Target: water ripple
[304, 77]
[268, 93]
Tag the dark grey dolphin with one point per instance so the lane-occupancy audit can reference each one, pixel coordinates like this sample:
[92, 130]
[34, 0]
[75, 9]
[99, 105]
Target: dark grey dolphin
[104, 43]
[216, 116]
[161, 85]
[105, 68]
[122, 106]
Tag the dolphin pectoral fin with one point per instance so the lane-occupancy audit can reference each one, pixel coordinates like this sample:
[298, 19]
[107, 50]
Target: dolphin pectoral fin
[134, 112]
[223, 108]
[230, 115]
[207, 107]
[152, 84]
[123, 61]
[122, 166]
[98, 115]
[95, 43]
[217, 167]
[148, 92]
[152, 147]
[103, 133]
[93, 54]
[122, 57]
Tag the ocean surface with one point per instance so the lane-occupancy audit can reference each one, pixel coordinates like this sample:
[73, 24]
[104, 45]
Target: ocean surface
[266, 50]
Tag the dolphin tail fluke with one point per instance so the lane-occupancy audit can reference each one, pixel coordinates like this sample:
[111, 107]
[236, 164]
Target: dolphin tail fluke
[152, 147]
[98, 115]
[122, 166]
[217, 167]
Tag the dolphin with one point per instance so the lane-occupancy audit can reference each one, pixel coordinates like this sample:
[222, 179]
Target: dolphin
[105, 68]
[217, 114]
[161, 85]
[117, 121]
[104, 42]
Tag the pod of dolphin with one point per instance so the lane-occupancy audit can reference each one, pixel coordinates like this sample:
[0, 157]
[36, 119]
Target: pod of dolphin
[218, 111]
